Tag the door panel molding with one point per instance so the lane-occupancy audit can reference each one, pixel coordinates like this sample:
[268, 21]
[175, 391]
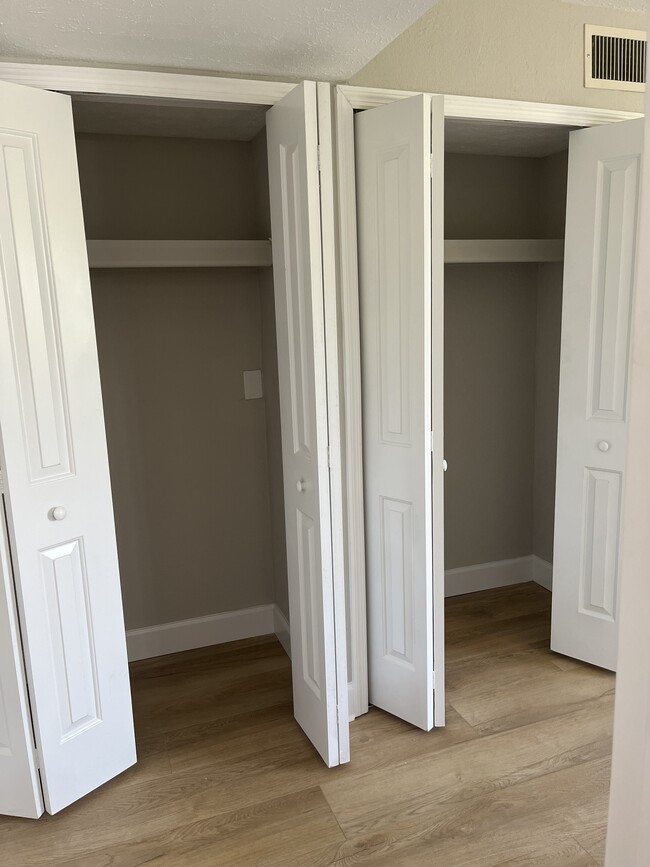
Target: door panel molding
[31, 304]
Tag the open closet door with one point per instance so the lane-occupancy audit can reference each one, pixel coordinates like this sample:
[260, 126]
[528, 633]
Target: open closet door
[315, 604]
[597, 309]
[54, 460]
[400, 162]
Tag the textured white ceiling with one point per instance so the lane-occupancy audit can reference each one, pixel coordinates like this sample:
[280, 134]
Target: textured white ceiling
[329, 39]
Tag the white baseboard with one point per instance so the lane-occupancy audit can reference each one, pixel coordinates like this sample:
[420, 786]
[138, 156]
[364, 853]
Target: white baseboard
[486, 576]
[200, 632]
[543, 572]
[268, 619]
[500, 573]
[281, 629]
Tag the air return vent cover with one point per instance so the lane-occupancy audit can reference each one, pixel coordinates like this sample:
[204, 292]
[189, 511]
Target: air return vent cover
[615, 59]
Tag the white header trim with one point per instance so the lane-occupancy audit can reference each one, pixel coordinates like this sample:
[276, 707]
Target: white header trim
[131, 82]
[483, 108]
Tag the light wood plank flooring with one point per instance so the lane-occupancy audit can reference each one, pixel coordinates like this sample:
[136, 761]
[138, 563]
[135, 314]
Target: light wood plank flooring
[519, 777]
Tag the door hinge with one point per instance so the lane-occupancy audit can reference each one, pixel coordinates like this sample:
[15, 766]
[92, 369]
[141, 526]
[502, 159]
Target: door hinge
[432, 164]
[433, 441]
[318, 157]
[434, 680]
[338, 715]
[37, 761]
[2, 482]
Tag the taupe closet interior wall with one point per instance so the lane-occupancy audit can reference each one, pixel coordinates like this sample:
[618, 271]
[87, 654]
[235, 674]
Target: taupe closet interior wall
[502, 343]
[194, 466]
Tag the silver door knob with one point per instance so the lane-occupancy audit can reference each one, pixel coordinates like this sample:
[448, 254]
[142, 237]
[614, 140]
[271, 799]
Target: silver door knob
[444, 465]
[603, 445]
[301, 486]
[58, 513]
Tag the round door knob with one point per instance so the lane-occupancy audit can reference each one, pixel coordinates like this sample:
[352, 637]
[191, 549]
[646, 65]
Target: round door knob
[301, 486]
[603, 445]
[444, 465]
[58, 513]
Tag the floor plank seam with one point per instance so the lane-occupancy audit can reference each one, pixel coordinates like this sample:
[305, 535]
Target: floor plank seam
[572, 709]
[587, 852]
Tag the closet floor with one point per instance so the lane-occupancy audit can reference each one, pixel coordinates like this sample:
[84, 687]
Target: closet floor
[519, 776]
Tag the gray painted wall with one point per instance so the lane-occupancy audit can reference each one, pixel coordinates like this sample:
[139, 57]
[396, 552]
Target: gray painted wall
[188, 454]
[547, 377]
[502, 331]
[549, 326]
[491, 196]
[152, 187]
[489, 412]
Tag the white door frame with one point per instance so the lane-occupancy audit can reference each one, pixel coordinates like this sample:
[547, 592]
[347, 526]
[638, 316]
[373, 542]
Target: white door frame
[78, 80]
[349, 99]
[153, 88]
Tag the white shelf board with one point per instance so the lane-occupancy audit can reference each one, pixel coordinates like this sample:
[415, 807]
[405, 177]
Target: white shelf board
[504, 250]
[179, 254]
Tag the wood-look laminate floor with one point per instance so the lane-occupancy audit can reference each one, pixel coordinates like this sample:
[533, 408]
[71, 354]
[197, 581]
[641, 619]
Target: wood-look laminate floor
[519, 776]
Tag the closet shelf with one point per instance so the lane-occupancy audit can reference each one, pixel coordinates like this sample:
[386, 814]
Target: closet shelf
[179, 254]
[504, 250]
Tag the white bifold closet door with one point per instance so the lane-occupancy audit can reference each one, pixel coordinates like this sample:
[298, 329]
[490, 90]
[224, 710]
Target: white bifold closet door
[399, 165]
[300, 221]
[55, 466]
[597, 310]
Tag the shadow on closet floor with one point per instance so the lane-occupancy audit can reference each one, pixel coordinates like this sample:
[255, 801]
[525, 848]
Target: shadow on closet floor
[520, 775]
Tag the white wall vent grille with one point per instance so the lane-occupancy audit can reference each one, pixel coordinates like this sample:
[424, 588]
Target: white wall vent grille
[615, 59]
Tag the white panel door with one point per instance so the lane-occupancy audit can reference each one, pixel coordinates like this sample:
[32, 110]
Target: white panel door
[599, 269]
[54, 458]
[399, 147]
[20, 788]
[314, 607]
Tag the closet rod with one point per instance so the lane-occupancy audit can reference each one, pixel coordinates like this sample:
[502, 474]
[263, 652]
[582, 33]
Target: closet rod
[504, 250]
[179, 254]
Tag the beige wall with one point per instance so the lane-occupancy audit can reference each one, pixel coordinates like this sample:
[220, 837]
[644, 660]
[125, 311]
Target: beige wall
[508, 49]
[188, 454]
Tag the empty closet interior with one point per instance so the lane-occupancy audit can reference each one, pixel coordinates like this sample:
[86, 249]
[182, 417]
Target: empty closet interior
[505, 200]
[175, 202]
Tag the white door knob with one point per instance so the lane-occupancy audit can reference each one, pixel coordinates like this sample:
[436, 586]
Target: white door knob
[58, 513]
[301, 486]
[444, 465]
[603, 445]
